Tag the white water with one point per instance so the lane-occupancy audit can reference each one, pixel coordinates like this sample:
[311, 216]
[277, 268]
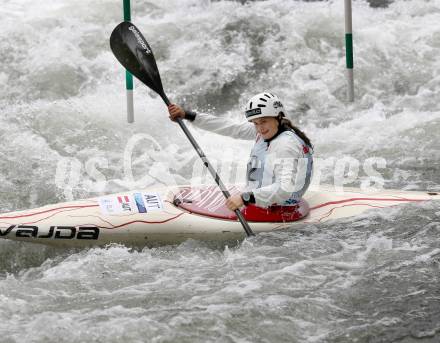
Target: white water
[62, 96]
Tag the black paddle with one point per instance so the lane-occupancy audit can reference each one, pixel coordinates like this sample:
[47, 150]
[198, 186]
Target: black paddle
[134, 53]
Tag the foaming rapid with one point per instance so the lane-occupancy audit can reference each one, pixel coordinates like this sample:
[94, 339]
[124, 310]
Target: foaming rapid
[63, 133]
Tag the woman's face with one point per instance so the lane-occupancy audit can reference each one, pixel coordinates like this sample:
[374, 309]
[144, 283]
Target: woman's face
[267, 127]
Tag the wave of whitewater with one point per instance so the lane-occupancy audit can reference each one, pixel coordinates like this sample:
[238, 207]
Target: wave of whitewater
[62, 105]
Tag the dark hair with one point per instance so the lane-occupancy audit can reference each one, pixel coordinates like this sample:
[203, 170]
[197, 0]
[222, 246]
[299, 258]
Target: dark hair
[285, 122]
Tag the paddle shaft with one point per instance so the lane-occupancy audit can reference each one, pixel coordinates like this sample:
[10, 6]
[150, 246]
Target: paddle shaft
[208, 165]
[214, 174]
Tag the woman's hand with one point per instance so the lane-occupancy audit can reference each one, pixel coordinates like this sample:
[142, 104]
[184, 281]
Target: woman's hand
[176, 112]
[234, 202]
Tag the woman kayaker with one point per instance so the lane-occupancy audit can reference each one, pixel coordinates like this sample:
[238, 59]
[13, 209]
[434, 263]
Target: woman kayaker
[281, 161]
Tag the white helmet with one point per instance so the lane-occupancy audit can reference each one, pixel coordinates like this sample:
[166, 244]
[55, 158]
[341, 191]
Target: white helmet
[263, 105]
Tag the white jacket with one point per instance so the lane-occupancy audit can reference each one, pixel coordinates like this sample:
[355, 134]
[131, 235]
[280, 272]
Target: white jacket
[279, 172]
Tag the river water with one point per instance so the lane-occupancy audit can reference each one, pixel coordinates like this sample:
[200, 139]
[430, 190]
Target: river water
[64, 136]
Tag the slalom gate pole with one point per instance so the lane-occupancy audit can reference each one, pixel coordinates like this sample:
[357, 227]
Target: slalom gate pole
[128, 76]
[349, 49]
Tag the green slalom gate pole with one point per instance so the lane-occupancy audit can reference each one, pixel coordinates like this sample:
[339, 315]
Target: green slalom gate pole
[349, 49]
[128, 76]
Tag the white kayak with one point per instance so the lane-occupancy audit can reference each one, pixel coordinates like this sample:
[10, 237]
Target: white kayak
[171, 215]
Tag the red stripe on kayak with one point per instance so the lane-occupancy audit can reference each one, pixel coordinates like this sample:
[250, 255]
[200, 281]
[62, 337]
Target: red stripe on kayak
[359, 199]
[330, 212]
[147, 222]
[135, 221]
[47, 211]
[49, 216]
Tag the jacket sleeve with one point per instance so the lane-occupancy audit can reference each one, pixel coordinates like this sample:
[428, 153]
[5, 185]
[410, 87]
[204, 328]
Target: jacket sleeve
[225, 126]
[284, 174]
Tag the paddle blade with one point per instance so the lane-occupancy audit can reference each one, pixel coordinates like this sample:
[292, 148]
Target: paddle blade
[133, 51]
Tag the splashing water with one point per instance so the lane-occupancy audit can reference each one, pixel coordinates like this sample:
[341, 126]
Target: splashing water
[373, 279]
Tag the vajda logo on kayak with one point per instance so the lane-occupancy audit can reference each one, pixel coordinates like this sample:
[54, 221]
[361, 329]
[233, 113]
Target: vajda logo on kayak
[55, 232]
